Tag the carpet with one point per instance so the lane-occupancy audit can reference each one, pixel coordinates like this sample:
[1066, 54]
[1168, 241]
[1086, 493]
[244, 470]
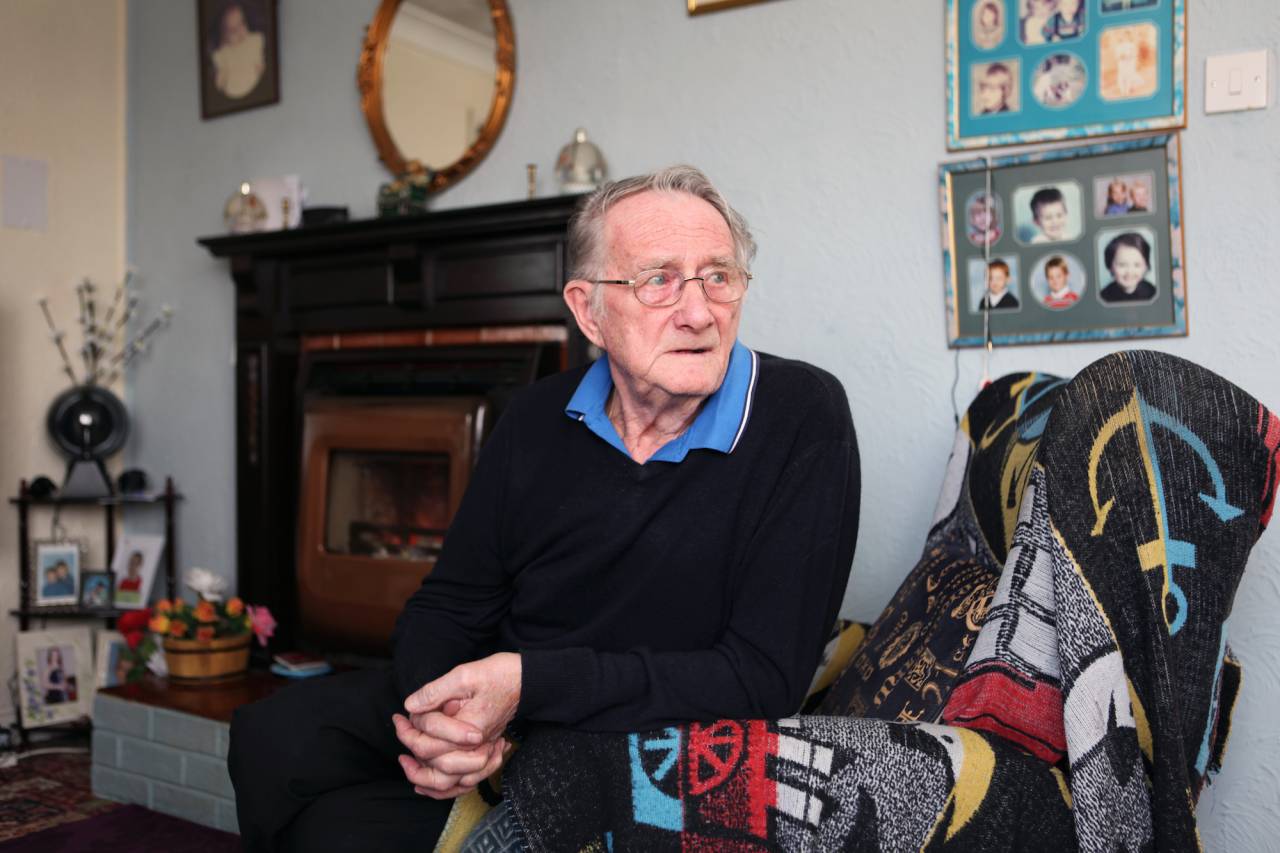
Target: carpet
[124, 830]
[42, 791]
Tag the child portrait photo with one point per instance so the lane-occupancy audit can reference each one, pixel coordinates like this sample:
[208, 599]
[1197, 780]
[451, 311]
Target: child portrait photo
[1065, 23]
[57, 568]
[239, 58]
[995, 87]
[96, 590]
[1048, 213]
[1120, 195]
[134, 566]
[994, 283]
[1127, 62]
[1125, 258]
[1059, 81]
[988, 27]
[55, 675]
[984, 215]
[1058, 281]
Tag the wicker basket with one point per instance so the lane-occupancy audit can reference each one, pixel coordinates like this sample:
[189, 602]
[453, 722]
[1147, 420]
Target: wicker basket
[193, 660]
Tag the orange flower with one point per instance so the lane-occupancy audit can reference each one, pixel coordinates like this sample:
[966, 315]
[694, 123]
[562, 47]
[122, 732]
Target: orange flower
[177, 628]
[159, 624]
[204, 633]
[205, 612]
[179, 605]
[235, 607]
[163, 606]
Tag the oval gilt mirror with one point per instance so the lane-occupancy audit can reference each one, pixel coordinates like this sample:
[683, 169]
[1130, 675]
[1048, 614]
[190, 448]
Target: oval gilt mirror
[435, 81]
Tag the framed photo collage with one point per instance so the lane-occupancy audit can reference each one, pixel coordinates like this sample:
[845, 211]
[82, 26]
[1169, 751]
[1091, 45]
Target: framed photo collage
[1073, 243]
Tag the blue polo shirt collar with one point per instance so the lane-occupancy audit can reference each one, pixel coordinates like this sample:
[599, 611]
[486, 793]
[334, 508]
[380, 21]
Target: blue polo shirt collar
[719, 426]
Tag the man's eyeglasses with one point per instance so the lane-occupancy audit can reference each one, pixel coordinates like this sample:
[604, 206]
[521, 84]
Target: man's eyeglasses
[660, 288]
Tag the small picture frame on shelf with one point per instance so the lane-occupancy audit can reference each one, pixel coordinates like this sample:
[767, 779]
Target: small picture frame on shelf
[96, 589]
[134, 566]
[55, 676]
[111, 661]
[57, 571]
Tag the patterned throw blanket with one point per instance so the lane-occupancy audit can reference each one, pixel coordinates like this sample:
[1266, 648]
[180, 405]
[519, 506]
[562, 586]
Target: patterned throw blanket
[1094, 700]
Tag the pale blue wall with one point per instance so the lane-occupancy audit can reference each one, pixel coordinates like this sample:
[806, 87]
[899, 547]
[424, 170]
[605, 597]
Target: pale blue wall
[823, 121]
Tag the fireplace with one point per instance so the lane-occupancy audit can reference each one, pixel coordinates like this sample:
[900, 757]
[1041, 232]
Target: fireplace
[381, 480]
[372, 358]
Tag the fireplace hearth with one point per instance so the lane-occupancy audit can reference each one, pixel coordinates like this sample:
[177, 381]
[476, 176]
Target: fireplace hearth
[372, 359]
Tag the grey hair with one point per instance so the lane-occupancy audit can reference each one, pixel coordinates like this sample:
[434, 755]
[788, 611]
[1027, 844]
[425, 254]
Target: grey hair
[586, 228]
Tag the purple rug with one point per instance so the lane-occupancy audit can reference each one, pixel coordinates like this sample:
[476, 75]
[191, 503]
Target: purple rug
[126, 829]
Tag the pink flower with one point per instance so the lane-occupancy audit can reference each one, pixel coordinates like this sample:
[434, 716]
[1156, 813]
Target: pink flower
[262, 622]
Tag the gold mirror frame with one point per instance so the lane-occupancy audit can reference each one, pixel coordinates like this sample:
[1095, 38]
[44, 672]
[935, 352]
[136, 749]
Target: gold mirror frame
[369, 79]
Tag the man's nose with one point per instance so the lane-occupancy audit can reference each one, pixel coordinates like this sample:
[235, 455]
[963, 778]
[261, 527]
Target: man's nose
[694, 308]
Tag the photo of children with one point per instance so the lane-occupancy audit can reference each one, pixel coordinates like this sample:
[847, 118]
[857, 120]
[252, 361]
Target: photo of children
[95, 590]
[57, 674]
[1066, 22]
[1033, 16]
[1058, 281]
[1117, 195]
[134, 566]
[1047, 213]
[993, 284]
[57, 572]
[1127, 58]
[1059, 81]
[988, 24]
[1126, 256]
[983, 213]
[995, 87]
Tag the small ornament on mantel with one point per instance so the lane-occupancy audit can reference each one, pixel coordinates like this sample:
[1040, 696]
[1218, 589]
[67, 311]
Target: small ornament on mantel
[244, 211]
[580, 167]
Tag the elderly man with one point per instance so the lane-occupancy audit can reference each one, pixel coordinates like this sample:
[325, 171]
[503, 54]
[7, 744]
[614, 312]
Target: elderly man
[661, 537]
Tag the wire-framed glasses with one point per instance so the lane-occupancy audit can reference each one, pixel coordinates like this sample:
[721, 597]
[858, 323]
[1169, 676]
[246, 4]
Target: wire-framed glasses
[662, 287]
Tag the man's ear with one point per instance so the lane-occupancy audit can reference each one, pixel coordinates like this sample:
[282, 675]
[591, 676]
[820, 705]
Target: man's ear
[577, 295]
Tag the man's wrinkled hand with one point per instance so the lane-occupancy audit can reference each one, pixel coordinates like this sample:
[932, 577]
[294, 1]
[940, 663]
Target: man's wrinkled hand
[483, 694]
[453, 773]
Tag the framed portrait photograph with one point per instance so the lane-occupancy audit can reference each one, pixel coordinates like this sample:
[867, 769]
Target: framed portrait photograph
[1070, 244]
[238, 44]
[110, 660]
[1023, 71]
[96, 589]
[55, 676]
[57, 571]
[134, 567]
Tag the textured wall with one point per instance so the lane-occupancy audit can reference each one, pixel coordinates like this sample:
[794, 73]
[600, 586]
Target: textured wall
[61, 101]
[823, 121]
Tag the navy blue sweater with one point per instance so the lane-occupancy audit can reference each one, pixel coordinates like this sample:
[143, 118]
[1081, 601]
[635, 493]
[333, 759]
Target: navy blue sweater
[644, 595]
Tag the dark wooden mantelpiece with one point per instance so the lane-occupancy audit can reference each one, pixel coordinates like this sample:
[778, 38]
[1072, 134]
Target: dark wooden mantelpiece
[493, 266]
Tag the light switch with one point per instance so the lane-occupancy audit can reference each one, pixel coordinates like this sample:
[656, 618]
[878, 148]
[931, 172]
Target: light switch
[1236, 81]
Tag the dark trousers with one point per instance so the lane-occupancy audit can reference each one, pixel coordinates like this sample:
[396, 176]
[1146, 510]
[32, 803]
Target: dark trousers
[314, 768]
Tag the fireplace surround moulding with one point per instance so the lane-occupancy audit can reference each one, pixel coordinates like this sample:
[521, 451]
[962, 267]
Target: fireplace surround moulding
[459, 302]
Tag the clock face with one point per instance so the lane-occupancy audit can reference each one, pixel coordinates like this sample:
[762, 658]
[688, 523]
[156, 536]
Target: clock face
[88, 422]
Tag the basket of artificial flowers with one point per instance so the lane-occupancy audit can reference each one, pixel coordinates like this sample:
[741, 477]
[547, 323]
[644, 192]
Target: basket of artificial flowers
[205, 640]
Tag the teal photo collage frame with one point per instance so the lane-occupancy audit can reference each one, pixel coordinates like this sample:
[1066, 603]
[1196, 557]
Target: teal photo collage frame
[1022, 71]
